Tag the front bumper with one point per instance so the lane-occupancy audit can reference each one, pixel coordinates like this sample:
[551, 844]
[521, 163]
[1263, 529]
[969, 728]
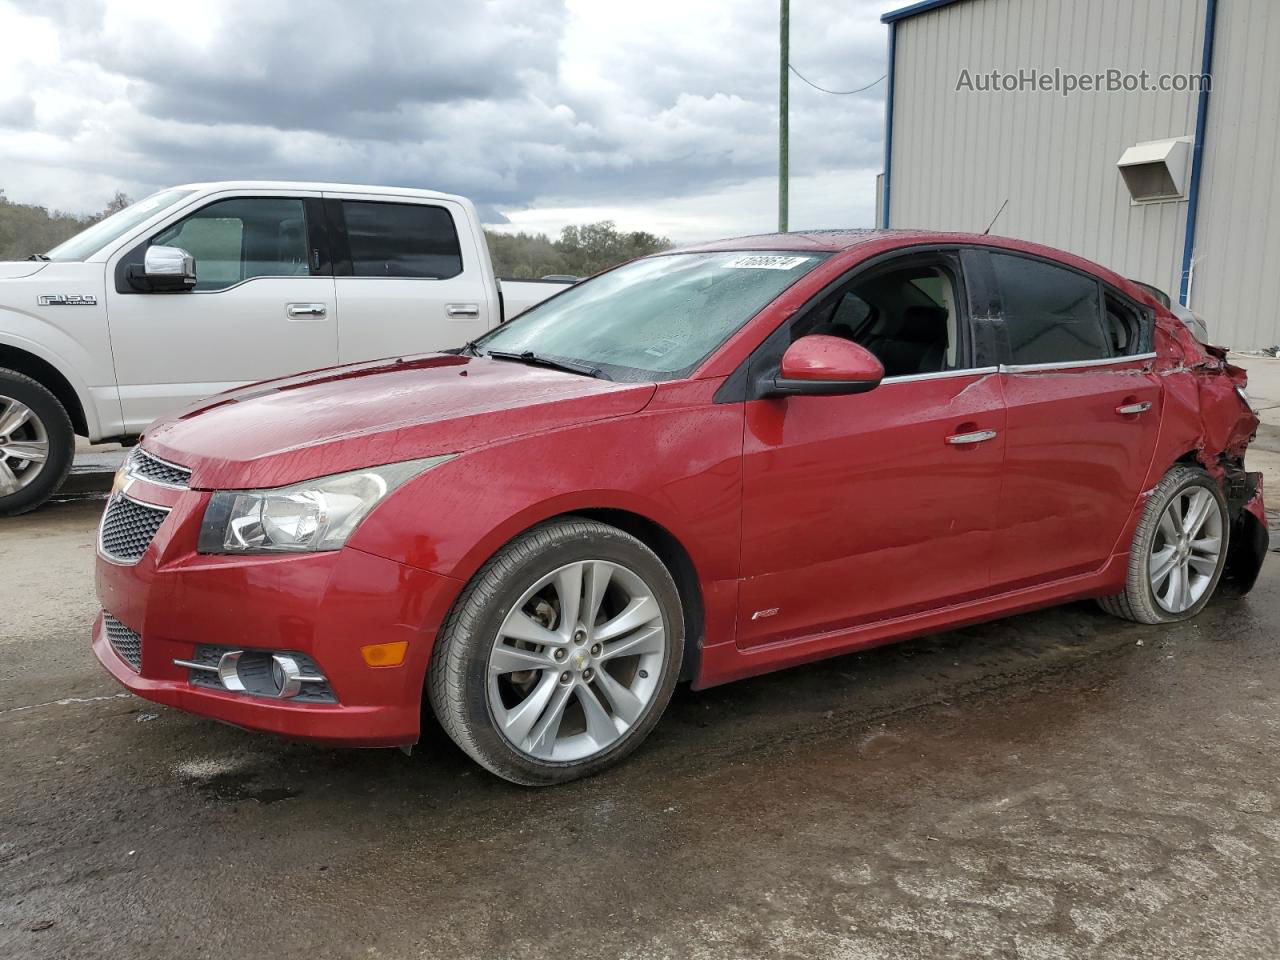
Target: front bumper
[325, 605]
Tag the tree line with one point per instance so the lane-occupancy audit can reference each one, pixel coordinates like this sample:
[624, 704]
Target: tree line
[580, 250]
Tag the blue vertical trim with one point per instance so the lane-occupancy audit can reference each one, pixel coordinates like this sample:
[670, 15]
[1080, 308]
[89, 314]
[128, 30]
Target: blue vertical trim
[1197, 154]
[888, 129]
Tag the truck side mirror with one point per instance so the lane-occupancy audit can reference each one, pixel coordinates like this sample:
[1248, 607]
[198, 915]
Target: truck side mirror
[168, 269]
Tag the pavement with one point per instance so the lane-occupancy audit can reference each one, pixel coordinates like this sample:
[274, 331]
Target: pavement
[1054, 785]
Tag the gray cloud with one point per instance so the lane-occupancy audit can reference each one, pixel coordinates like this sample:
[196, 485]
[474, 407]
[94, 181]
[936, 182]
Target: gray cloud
[514, 102]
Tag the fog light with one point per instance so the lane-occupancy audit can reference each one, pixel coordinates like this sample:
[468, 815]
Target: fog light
[385, 654]
[286, 676]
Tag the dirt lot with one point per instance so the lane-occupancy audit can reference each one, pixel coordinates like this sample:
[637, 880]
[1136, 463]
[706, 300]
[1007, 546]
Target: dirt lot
[1053, 785]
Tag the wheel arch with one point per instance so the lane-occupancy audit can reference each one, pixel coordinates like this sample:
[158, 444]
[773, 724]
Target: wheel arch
[51, 378]
[677, 560]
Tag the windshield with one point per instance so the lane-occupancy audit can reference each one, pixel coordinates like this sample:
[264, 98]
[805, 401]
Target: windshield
[653, 319]
[89, 241]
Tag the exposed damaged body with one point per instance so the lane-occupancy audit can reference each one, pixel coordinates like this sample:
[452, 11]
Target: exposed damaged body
[698, 466]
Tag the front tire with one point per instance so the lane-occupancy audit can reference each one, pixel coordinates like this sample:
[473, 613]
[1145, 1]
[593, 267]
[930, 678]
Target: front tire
[1179, 550]
[37, 443]
[560, 655]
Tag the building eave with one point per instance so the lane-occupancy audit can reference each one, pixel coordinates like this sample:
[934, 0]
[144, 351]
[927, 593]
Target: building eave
[924, 6]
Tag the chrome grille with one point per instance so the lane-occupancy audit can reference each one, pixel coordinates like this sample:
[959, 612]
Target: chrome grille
[150, 467]
[123, 641]
[128, 528]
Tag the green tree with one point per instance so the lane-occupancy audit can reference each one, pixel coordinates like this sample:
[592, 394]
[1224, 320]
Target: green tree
[581, 250]
[26, 229]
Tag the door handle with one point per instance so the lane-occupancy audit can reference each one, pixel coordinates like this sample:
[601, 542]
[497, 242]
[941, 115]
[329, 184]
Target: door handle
[462, 311]
[977, 436]
[1133, 409]
[306, 311]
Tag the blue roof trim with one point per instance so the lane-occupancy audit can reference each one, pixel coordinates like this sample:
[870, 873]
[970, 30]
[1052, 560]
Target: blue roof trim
[1197, 154]
[924, 6]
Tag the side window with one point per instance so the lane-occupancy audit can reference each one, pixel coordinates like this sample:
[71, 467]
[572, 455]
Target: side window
[906, 315]
[245, 237]
[1051, 314]
[1126, 328]
[401, 240]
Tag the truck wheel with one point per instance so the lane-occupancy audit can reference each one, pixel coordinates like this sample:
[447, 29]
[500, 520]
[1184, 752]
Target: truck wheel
[37, 443]
[1178, 552]
[560, 655]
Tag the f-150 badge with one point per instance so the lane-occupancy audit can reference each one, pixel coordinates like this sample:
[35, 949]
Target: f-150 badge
[68, 300]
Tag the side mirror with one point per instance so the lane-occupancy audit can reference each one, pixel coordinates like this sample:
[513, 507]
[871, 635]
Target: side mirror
[818, 365]
[168, 269]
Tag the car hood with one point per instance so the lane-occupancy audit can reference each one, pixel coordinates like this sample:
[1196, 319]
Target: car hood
[329, 421]
[17, 269]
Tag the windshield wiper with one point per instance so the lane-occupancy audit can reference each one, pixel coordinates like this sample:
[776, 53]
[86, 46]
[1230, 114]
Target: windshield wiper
[38, 256]
[541, 360]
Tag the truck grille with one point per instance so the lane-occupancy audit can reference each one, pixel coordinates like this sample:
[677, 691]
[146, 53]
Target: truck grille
[123, 641]
[128, 528]
[150, 467]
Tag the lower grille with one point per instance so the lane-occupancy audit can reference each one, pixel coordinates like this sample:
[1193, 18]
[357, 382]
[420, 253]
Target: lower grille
[128, 528]
[123, 641]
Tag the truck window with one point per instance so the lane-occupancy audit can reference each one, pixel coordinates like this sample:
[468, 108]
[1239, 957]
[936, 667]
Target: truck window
[245, 237]
[401, 240]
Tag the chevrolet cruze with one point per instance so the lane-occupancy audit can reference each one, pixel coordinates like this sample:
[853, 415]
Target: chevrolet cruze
[698, 466]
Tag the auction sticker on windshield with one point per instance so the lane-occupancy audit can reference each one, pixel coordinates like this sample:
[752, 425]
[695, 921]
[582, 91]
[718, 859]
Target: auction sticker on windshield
[757, 261]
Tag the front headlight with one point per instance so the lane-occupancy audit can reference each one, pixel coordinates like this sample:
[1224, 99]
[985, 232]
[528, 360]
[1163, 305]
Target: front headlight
[1243, 394]
[314, 515]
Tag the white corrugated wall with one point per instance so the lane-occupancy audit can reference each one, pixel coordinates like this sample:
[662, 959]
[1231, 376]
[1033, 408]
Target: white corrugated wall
[1236, 275]
[958, 155]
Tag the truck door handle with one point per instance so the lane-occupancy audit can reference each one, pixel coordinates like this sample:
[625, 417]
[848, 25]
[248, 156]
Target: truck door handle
[977, 436]
[306, 311]
[462, 311]
[1133, 409]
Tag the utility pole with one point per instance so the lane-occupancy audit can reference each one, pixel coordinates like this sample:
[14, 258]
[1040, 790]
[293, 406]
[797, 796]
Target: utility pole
[784, 63]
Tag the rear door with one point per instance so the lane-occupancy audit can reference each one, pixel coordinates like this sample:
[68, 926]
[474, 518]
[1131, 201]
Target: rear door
[1083, 416]
[408, 274]
[262, 306]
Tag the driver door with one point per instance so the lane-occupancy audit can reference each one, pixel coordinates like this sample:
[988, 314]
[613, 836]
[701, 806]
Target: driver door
[862, 508]
[263, 305]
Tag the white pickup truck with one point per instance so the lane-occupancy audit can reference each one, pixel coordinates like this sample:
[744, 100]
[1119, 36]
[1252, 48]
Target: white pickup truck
[207, 286]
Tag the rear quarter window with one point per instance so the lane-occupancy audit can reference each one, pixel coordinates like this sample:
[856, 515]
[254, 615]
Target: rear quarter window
[401, 240]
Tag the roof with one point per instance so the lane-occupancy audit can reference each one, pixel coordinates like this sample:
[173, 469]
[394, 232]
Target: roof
[315, 186]
[924, 6]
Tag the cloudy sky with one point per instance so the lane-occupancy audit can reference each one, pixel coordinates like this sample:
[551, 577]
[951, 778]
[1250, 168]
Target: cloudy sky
[661, 114]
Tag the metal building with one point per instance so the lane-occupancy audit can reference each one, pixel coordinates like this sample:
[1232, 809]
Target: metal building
[1172, 181]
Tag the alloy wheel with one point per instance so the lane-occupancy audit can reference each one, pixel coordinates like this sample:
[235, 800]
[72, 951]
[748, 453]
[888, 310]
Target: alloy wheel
[1186, 550]
[24, 446]
[577, 661]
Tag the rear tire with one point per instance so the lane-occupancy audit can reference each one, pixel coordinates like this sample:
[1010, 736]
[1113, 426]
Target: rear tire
[1179, 550]
[560, 655]
[33, 425]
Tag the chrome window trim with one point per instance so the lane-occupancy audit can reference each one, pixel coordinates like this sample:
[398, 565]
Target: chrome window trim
[939, 375]
[129, 471]
[1070, 365]
[101, 550]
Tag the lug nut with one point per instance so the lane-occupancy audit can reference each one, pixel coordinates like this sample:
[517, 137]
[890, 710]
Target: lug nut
[560, 653]
[588, 673]
[644, 674]
[595, 649]
[579, 636]
[566, 677]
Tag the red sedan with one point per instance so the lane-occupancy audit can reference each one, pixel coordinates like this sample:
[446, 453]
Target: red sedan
[698, 466]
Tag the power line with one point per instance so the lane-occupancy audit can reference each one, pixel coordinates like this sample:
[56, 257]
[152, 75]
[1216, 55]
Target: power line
[841, 93]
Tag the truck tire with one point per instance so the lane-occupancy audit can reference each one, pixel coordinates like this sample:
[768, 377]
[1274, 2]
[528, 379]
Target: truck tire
[37, 443]
[1179, 550]
[560, 655]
